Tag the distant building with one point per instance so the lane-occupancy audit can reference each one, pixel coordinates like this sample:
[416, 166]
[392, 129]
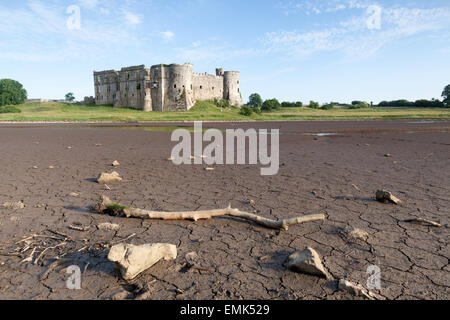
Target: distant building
[164, 87]
[89, 100]
[36, 100]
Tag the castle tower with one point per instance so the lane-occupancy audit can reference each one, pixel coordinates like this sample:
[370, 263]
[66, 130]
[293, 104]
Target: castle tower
[179, 93]
[232, 87]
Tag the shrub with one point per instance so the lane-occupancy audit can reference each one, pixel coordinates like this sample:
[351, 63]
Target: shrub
[361, 105]
[328, 106]
[271, 104]
[10, 109]
[246, 110]
[222, 103]
[297, 104]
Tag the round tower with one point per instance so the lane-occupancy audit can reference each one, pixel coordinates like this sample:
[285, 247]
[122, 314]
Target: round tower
[232, 87]
[179, 93]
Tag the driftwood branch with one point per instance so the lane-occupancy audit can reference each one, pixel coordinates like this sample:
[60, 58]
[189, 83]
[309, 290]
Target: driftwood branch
[105, 205]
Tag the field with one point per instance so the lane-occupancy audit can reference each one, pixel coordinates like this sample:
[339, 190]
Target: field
[53, 168]
[205, 110]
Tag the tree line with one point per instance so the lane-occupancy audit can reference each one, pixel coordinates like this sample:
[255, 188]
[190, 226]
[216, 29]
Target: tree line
[256, 104]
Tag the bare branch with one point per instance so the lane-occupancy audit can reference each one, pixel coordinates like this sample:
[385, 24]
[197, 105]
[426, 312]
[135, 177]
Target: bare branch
[105, 205]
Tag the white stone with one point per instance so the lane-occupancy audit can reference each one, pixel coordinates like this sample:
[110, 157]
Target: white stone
[307, 261]
[132, 260]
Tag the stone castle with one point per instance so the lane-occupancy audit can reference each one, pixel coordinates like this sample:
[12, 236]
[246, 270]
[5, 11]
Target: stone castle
[164, 87]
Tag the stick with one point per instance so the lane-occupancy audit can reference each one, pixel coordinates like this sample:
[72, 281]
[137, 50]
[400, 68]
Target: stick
[421, 220]
[105, 205]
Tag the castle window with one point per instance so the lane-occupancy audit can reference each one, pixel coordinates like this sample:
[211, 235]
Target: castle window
[174, 86]
[191, 86]
[201, 87]
[238, 81]
[138, 86]
[213, 88]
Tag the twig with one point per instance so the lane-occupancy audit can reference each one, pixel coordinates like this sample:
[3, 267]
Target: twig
[52, 266]
[48, 248]
[30, 257]
[421, 220]
[79, 228]
[129, 237]
[105, 205]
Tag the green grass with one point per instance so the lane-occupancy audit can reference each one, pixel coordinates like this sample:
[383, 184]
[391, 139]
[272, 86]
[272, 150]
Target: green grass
[206, 110]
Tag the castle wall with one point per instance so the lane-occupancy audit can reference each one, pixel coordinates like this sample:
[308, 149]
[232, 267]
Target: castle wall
[207, 86]
[132, 86]
[106, 86]
[157, 87]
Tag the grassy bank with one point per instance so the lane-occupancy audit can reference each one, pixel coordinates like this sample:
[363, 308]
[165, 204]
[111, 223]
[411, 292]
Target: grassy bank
[205, 110]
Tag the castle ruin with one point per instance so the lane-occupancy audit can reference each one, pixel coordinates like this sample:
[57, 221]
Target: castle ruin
[164, 87]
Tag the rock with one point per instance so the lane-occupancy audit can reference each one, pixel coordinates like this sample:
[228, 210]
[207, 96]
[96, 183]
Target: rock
[13, 205]
[387, 155]
[122, 295]
[387, 197]
[74, 194]
[358, 290]
[132, 260]
[210, 169]
[307, 261]
[115, 163]
[350, 232]
[191, 258]
[108, 226]
[109, 178]
[252, 203]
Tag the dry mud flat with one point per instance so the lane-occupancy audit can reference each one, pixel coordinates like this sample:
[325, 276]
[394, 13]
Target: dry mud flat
[53, 170]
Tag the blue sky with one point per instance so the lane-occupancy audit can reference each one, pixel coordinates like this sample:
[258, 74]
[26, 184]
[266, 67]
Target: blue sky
[332, 50]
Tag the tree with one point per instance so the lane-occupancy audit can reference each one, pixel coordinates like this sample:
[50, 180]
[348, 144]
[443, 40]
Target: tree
[271, 104]
[313, 105]
[11, 92]
[255, 101]
[446, 95]
[70, 97]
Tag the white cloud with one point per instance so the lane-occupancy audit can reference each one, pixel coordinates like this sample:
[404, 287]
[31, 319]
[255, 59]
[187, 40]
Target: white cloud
[89, 4]
[131, 18]
[309, 7]
[167, 35]
[353, 38]
[44, 26]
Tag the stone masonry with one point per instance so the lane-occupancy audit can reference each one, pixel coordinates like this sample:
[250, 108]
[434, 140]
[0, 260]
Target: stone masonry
[164, 87]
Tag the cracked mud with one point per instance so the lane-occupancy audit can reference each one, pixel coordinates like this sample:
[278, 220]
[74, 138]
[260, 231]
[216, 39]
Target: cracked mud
[337, 175]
